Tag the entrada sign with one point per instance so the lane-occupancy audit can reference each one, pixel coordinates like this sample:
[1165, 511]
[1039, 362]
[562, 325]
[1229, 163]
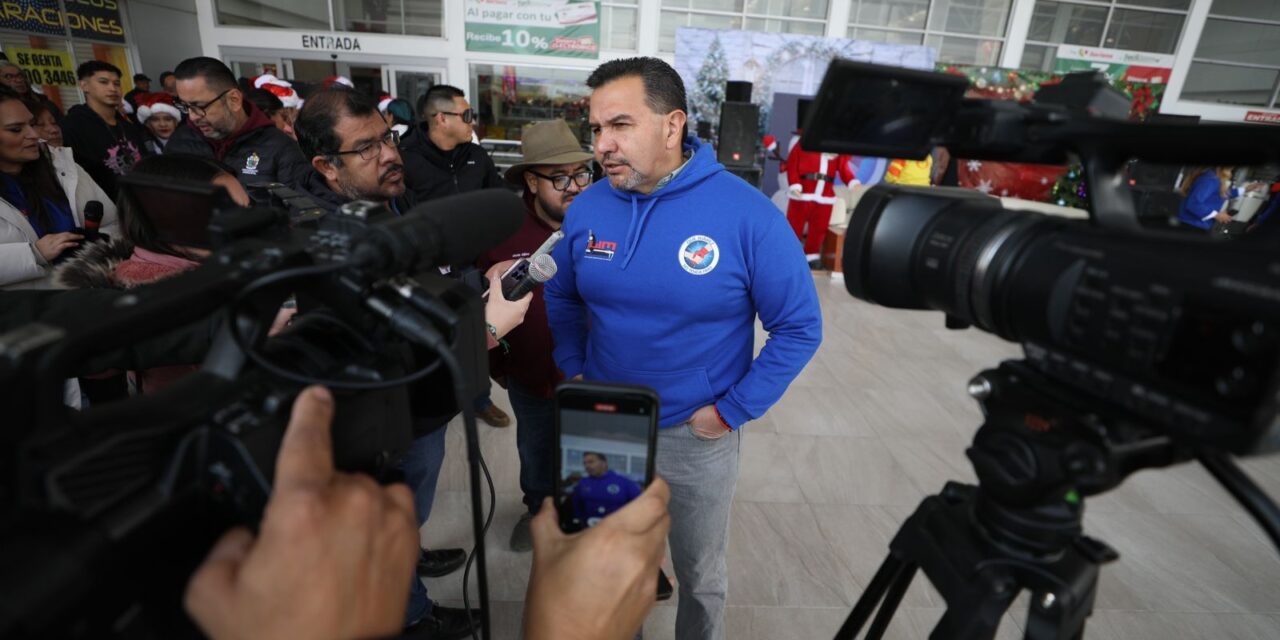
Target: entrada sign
[331, 43]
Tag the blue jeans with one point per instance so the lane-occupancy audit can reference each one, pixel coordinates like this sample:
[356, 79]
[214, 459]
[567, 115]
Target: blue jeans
[421, 465]
[536, 443]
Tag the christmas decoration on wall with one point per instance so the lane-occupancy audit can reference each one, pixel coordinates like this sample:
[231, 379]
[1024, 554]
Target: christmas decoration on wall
[709, 88]
[998, 83]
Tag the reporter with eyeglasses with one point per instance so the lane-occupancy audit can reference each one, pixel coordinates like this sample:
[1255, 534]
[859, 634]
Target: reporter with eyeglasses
[439, 156]
[224, 125]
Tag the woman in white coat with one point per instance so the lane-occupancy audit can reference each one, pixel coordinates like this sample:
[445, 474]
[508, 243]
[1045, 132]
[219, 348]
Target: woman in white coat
[43, 193]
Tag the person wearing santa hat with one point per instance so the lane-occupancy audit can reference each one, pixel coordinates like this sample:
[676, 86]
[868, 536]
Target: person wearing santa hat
[157, 113]
[399, 111]
[271, 105]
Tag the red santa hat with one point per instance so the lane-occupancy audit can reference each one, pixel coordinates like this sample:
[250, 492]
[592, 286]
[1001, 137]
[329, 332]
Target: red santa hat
[383, 101]
[287, 95]
[268, 78]
[770, 143]
[342, 80]
[150, 104]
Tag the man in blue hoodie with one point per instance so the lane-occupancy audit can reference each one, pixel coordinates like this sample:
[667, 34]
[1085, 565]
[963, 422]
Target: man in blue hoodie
[662, 273]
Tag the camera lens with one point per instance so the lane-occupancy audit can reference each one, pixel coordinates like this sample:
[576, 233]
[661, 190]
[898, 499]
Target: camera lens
[937, 248]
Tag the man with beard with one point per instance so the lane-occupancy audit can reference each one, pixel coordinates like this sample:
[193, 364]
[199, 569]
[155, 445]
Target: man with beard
[662, 274]
[355, 156]
[222, 124]
[553, 172]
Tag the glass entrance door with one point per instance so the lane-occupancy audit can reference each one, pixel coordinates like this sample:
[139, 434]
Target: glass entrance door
[411, 82]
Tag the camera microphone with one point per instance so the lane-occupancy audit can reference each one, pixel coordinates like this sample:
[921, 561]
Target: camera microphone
[540, 270]
[92, 220]
[448, 231]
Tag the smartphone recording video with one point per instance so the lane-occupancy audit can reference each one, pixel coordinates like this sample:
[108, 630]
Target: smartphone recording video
[606, 435]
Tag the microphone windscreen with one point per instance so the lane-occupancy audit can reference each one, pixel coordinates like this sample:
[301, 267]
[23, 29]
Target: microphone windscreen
[543, 268]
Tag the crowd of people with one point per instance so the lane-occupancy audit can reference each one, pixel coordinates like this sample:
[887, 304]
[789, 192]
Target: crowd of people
[666, 226]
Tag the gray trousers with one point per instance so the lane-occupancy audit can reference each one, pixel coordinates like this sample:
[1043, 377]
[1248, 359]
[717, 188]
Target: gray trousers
[702, 475]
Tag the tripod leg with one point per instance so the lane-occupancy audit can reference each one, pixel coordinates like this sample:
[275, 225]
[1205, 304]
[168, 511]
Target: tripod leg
[901, 581]
[870, 599]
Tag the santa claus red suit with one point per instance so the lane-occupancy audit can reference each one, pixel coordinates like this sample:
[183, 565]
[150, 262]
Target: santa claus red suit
[811, 191]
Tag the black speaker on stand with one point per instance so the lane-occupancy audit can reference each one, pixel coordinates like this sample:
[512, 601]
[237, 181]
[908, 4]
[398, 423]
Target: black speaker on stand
[739, 131]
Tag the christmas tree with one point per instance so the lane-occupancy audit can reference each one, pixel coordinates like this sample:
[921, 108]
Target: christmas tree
[1069, 190]
[708, 94]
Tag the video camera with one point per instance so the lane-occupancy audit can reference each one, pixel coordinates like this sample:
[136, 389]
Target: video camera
[104, 513]
[1142, 349]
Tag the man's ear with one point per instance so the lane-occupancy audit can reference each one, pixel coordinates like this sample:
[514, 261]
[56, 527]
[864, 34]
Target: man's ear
[675, 128]
[235, 100]
[324, 167]
[531, 183]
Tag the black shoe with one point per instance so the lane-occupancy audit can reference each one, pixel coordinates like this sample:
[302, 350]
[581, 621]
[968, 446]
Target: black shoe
[444, 623]
[440, 562]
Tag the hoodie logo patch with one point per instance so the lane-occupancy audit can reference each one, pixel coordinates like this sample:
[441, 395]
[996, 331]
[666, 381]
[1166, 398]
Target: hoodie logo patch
[699, 255]
[251, 165]
[599, 249]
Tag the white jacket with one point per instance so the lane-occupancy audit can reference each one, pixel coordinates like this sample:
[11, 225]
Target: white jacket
[21, 265]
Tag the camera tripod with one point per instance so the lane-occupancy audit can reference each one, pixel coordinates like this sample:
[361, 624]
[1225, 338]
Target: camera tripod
[1037, 454]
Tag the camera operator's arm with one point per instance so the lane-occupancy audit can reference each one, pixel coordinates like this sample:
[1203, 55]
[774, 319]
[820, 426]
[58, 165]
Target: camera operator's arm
[334, 555]
[601, 583]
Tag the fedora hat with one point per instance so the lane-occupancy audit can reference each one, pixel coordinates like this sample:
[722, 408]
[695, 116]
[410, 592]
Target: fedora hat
[546, 143]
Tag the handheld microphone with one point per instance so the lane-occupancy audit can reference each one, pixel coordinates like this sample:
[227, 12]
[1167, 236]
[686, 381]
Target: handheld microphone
[92, 220]
[541, 269]
[520, 270]
[448, 231]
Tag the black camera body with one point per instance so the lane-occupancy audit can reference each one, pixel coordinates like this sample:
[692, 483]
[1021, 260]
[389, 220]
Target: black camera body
[104, 513]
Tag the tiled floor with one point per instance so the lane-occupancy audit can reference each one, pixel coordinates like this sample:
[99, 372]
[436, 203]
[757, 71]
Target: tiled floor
[878, 420]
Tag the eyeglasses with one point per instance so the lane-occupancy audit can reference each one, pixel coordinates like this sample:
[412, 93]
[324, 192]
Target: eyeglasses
[197, 108]
[467, 116]
[370, 150]
[560, 183]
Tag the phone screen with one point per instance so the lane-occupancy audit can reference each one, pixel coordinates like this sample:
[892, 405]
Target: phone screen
[606, 436]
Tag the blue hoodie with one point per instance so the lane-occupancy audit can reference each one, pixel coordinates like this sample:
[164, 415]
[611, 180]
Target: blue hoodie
[1203, 199]
[663, 290]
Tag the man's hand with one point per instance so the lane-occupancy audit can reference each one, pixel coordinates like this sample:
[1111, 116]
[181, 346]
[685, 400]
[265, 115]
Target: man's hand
[601, 583]
[334, 556]
[1222, 216]
[53, 244]
[504, 314]
[706, 424]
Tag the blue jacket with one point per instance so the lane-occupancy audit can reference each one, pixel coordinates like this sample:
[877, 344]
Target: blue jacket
[1204, 198]
[664, 289]
[595, 498]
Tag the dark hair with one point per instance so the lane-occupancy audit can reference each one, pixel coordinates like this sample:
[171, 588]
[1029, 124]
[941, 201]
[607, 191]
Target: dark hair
[163, 75]
[265, 101]
[663, 88]
[137, 228]
[401, 112]
[597, 454]
[139, 77]
[316, 122]
[38, 179]
[36, 106]
[91, 67]
[438, 98]
[216, 74]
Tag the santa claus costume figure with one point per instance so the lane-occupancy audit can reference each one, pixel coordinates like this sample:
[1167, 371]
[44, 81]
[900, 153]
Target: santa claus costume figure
[811, 191]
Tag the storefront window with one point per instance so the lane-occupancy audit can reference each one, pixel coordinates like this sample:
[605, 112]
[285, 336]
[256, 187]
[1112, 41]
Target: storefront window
[1102, 23]
[946, 25]
[619, 25]
[286, 14]
[776, 16]
[402, 17]
[1237, 60]
[507, 98]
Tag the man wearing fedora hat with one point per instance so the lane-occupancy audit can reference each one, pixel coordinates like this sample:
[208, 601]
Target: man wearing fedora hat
[553, 172]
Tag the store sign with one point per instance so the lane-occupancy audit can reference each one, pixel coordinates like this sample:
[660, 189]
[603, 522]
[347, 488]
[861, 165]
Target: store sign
[1133, 66]
[44, 66]
[1264, 117]
[93, 19]
[564, 28]
[331, 43]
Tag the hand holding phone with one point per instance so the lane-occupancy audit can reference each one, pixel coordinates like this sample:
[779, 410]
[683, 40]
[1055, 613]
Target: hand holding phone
[598, 583]
[606, 434]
